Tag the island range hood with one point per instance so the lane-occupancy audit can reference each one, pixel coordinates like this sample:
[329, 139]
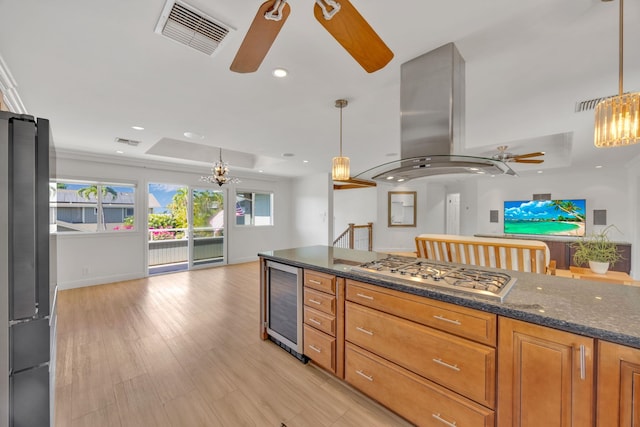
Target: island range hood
[432, 122]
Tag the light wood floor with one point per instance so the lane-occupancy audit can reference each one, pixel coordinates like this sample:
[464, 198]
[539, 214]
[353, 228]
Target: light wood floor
[183, 350]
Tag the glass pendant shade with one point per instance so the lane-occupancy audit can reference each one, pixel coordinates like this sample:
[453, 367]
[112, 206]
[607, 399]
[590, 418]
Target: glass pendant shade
[340, 169]
[617, 121]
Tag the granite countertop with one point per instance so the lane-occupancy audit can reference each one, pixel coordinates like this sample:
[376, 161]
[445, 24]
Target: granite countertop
[599, 310]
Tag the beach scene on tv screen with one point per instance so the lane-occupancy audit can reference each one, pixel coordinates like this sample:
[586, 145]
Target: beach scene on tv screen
[545, 217]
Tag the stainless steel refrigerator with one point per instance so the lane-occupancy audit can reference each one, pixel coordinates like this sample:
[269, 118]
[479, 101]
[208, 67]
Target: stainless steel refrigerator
[24, 271]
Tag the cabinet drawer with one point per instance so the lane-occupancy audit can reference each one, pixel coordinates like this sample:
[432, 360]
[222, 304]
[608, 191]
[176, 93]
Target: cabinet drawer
[414, 398]
[320, 301]
[320, 281]
[464, 366]
[320, 347]
[465, 322]
[319, 320]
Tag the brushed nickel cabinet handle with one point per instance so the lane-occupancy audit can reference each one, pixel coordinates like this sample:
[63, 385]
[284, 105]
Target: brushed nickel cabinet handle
[314, 301]
[583, 362]
[314, 348]
[315, 282]
[365, 296]
[444, 319]
[443, 421]
[447, 365]
[362, 374]
[364, 331]
[312, 320]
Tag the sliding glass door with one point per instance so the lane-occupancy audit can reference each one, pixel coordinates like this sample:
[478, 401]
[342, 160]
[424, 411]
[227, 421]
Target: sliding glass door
[185, 227]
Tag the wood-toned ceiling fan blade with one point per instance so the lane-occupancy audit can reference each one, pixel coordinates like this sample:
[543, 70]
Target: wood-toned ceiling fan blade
[259, 38]
[356, 36]
[518, 160]
[524, 156]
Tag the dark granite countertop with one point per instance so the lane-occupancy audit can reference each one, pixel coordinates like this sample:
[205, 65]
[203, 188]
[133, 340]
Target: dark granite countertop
[599, 310]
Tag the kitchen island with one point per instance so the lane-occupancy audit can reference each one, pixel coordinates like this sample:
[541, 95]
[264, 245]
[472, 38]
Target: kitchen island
[529, 358]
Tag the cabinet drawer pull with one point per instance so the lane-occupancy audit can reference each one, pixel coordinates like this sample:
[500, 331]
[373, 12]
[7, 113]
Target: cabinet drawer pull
[314, 348]
[312, 320]
[364, 331]
[444, 319]
[362, 374]
[314, 301]
[443, 421]
[315, 282]
[583, 362]
[365, 296]
[440, 362]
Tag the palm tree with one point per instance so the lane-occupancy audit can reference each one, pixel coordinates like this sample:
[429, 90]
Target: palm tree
[568, 207]
[92, 190]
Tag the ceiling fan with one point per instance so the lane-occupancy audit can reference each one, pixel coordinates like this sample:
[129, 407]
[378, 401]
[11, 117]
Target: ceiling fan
[339, 18]
[505, 156]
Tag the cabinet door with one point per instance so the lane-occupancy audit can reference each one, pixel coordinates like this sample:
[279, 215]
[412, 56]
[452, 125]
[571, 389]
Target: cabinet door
[618, 386]
[545, 376]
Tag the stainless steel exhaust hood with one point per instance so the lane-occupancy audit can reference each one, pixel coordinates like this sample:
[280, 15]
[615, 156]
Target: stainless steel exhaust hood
[432, 122]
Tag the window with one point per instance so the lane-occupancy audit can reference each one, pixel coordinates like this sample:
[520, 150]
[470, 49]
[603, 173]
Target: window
[254, 208]
[91, 207]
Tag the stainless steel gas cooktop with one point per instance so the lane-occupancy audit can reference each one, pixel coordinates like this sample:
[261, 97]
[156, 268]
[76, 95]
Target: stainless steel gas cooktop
[423, 273]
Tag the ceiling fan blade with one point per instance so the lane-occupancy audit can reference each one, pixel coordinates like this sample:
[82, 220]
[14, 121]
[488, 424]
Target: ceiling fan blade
[355, 35]
[517, 160]
[524, 156]
[259, 38]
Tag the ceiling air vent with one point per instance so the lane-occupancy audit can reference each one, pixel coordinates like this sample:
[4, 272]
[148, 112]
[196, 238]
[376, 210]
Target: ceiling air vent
[189, 26]
[131, 142]
[589, 104]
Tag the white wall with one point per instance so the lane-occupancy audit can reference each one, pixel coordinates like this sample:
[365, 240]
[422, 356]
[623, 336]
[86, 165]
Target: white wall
[355, 205]
[312, 205]
[95, 258]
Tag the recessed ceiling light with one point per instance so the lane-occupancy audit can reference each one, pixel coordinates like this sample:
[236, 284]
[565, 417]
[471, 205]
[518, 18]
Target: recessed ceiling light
[137, 127]
[539, 171]
[261, 171]
[401, 180]
[119, 151]
[389, 177]
[193, 135]
[599, 167]
[474, 169]
[305, 161]
[280, 72]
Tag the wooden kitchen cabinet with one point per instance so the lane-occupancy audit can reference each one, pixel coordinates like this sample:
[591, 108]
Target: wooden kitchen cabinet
[618, 402]
[323, 329]
[545, 376]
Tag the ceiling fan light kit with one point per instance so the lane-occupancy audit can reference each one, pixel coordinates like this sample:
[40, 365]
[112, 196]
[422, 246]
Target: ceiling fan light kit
[340, 166]
[339, 18]
[617, 119]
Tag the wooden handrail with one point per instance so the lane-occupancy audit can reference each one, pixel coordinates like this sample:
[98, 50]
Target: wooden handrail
[347, 239]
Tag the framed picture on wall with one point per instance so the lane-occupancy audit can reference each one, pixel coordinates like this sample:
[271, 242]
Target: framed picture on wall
[402, 209]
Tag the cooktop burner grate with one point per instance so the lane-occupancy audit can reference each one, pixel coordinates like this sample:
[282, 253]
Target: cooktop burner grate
[424, 273]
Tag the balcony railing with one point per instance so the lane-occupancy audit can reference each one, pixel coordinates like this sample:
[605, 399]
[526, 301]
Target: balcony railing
[170, 246]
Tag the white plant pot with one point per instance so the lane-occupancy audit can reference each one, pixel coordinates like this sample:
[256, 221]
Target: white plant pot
[599, 267]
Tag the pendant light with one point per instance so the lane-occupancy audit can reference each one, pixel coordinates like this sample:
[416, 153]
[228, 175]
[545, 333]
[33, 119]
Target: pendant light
[617, 119]
[340, 168]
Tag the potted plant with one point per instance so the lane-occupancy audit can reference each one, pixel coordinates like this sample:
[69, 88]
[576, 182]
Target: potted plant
[597, 251]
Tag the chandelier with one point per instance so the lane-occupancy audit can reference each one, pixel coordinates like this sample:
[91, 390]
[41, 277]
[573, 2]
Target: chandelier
[340, 167]
[219, 173]
[617, 119]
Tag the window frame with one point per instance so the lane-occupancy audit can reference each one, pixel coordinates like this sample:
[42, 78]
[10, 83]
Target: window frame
[101, 226]
[269, 193]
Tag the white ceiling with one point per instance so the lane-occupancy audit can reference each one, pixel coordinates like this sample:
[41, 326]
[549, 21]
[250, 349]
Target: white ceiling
[97, 68]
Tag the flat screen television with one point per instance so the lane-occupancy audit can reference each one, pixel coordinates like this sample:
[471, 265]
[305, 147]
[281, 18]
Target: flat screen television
[545, 217]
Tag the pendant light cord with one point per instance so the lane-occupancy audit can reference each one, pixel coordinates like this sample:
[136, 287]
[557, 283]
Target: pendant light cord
[621, 47]
[341, 107]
